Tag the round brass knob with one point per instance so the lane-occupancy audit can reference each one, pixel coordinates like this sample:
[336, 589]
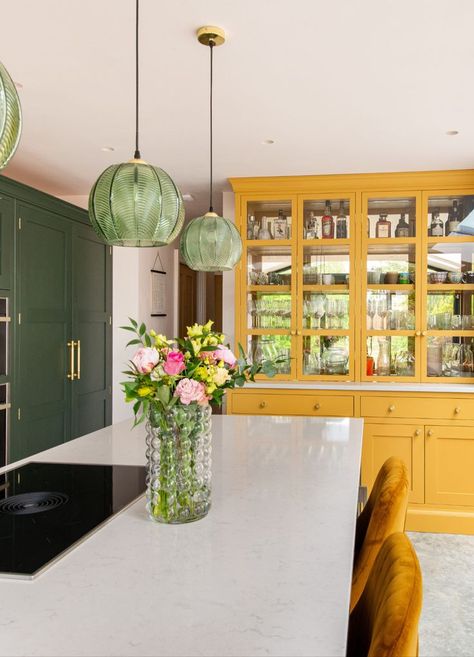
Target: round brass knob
[292, 332]
[418, 333]
[457, 410]
[298, 332]
[391, 408]
[263, 404]
[423, 333]
[417, 432]
[317, 407]
[430, 432]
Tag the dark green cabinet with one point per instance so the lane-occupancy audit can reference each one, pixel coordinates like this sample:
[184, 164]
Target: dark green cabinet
[60, 276]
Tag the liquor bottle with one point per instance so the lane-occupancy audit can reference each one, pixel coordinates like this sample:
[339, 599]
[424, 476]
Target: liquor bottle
[264, 232]
[341, 223]
[453, 219]
[402, 229]
[327, 223]
[412, 224]
[436, 227]
[251, 227]
[312, 227]
[383, 227]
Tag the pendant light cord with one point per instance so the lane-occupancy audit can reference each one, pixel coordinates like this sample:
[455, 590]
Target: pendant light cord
[211, 48]
[137, 155]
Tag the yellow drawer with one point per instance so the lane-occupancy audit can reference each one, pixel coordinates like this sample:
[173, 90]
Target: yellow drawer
[267, 404]
[422, 407]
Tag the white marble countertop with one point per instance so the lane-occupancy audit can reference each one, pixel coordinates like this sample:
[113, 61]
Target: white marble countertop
[363, 387]
[267, 572]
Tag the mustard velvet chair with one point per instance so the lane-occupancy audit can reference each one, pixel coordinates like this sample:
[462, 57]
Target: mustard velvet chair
[384, 623]
[384, 514]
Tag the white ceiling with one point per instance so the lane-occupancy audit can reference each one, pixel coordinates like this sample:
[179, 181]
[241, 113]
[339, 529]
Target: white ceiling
[341, 86]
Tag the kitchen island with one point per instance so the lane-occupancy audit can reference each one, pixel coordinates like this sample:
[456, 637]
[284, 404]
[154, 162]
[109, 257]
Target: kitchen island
[267, 572]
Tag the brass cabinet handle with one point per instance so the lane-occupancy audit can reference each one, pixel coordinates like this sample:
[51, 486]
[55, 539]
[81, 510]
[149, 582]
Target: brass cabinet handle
[391, 408]
[263, 404]
[71, 376]
[78, 344]
[317, 407]
[417, 432]
[457, 410]
[418, 333]
[430, 432]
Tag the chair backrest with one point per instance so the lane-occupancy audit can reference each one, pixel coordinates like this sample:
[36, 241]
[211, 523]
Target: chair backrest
[384, 622]
[384, 514]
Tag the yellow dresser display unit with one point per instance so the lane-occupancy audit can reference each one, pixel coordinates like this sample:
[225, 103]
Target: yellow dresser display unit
[365, 283]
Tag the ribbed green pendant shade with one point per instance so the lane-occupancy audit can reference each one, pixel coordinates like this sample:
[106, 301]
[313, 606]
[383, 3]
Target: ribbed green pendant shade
[136, 204]
[211, 243]
[10, 117]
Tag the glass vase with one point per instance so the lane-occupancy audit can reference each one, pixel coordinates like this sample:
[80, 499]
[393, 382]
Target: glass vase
[179, 463]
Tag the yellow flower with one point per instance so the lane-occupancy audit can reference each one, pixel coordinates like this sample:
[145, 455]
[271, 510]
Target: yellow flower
[210, 388]
[208, 326]
[221, 375]
[194, 331]
[201, 372]
[161, 341]
[213, 341]
[196, 346]
[144, 391]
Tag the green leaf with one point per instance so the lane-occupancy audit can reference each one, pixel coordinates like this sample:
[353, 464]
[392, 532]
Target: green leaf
[136, 341]
[128, 328]
[242, 353]
[133, 322]
[269, 369]
[163, 393]
[142, 329]
[147, 340]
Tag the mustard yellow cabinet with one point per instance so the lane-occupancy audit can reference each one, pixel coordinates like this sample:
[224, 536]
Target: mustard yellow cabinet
[406, 441]
[449, 466]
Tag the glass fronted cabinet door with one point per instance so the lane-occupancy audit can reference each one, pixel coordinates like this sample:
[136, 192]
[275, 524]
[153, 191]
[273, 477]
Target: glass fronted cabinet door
[391, 323]
[268, 281]
[448, 321]
[326, 283]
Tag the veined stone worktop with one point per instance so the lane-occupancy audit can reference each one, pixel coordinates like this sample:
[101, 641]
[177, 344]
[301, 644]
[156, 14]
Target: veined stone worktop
[363, 387]
[267, 572]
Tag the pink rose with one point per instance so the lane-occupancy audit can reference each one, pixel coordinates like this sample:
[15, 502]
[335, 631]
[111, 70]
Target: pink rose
[224, 353]
[145, 359]
[190, 391]
[174, 363]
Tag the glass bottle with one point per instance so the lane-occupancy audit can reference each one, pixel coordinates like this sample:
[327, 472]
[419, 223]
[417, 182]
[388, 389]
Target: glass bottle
[383, 227]
[453, 220]
[264, 232]
[327, 223]
[383, 357]
[412, 224]
[251, 227]
[341, 223]
[436, 227]
[403, 228]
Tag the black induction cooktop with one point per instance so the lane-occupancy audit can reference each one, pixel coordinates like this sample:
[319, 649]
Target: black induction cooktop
[45, 508]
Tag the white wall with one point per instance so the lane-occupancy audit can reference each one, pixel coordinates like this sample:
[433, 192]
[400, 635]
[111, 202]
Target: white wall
[228, 288]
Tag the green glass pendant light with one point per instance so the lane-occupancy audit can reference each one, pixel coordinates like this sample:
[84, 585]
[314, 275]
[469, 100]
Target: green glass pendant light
[10, 117]
[211, 243]
[136, 203]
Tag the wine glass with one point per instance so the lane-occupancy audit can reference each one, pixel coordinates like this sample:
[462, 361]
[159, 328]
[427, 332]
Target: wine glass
[370, 312]
[319, 310]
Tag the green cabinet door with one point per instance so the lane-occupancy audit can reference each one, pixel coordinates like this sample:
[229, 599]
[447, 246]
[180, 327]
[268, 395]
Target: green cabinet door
[41, 413]
[91, 330]
[7, 221]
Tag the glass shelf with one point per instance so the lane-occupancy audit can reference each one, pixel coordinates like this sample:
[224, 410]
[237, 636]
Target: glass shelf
[391, 218]
[269, 221]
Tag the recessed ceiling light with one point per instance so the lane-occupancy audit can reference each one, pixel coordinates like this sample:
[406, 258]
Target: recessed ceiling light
[107, 149]
[268, 141]
[451, 133]
[188, 197]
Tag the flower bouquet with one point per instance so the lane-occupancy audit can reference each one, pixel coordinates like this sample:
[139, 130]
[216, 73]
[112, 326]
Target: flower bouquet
[172, 385]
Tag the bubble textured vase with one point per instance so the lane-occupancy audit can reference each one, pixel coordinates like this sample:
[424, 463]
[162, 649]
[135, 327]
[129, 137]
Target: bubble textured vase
[211, 243]
[136, 204]
[179, 463]
[10, 117]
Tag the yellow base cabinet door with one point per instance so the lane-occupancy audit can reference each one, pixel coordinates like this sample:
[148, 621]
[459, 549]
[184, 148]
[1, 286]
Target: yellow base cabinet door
[449, 453]
[404, 441]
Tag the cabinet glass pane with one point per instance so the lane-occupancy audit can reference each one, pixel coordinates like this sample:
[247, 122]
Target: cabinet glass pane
[391, 356]
[450, 310]
[451, 263]
[328, 355]
[389, 264]
[268, 310]
[391, 217]
[388, 309]
[326, 311]
[326, 219]
[450, 357]
[270, 347]
[269, 220]
[326, 265]
[451, 216]
[269, 265]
